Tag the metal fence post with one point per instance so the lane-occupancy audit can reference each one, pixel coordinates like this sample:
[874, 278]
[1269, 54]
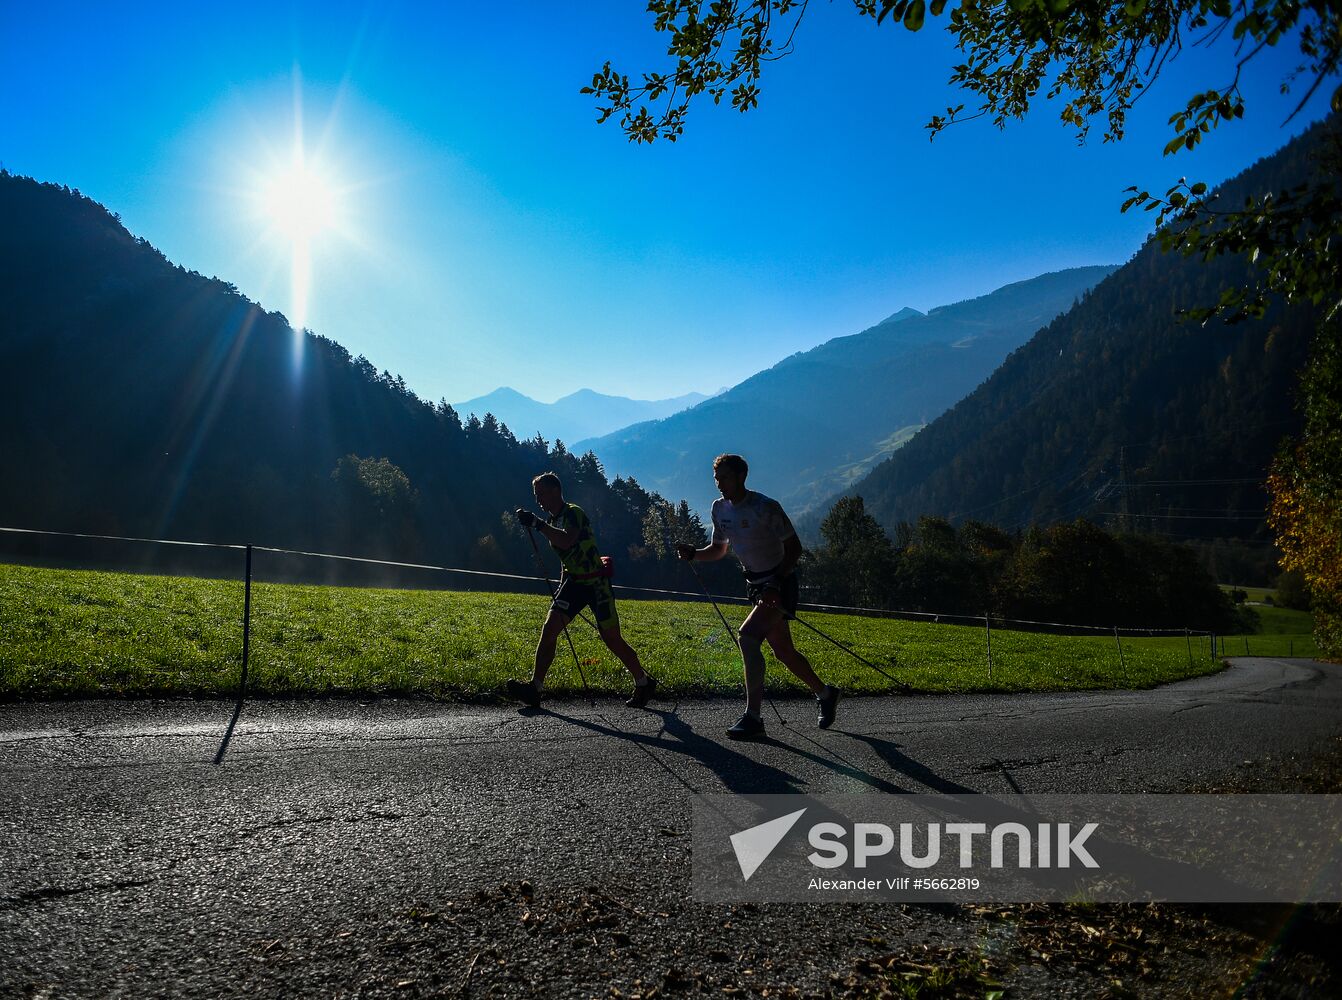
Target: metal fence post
[988, 634]
[1188, 637]
[246, 625]
[1122, 664]
[246, 656]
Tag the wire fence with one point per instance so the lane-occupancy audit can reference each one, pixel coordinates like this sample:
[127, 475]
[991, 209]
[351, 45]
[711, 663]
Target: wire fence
[988, 620]
[1198, 642]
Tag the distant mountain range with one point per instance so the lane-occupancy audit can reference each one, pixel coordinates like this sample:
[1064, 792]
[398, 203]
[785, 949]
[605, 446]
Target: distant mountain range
[582, 414]
[819, 420]
[1120, 412]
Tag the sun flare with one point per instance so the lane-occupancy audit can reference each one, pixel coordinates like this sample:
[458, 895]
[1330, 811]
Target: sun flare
[299, 201]
[300, 205]
[302, 193]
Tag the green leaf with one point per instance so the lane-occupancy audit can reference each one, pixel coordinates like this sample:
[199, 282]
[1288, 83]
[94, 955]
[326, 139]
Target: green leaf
[913, 17]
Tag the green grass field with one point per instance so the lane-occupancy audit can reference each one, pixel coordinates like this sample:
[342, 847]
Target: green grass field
[1280, 632]
[1283, 621]
[66, 633]
[1268, 644]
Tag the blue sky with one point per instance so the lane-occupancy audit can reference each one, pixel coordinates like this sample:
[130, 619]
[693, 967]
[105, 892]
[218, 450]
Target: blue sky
[490, 233]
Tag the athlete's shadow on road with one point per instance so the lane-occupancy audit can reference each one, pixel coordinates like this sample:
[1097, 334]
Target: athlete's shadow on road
[836, 762]
[887, 751]
[741, 773]
[907, 766]
[737, 772]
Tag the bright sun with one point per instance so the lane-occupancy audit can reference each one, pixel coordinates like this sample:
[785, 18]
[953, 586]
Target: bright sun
[303, 203]
[299, 202]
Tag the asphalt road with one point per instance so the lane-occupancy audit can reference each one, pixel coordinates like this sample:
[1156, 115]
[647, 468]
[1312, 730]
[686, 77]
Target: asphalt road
[412, 848]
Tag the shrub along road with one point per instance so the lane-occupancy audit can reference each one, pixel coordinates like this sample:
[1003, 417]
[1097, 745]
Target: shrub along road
[412, 848]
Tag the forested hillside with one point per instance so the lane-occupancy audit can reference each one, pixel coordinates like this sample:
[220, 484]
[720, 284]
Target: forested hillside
[1120, 412]
[820, 419]
[141, 398]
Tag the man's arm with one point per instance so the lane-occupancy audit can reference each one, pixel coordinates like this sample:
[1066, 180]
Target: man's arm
[711, 552]
[561, 538]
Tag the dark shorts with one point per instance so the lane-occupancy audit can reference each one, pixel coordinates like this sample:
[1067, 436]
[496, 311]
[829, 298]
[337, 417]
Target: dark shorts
[787, 588]
[574, 595]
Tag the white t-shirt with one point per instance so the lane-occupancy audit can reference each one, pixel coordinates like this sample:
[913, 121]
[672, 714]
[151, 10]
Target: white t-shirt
[756, 529]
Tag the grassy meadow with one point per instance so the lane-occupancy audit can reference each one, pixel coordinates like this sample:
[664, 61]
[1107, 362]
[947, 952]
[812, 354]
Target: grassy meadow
[79, 633]
[1280, 632]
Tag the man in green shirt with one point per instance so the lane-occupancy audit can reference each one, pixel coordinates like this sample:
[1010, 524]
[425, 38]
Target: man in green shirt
[584, 583]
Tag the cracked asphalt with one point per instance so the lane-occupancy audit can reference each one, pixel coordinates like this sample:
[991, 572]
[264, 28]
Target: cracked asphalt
[405, 848]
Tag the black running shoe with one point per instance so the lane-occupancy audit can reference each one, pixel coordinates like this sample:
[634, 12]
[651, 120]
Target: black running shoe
[642, 694]
[828, 700]
[525, 692]
[747, 728]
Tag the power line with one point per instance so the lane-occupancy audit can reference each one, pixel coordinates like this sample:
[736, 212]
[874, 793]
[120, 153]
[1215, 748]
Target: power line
[1184, 517]
[1259, 512]
[1029, 489]
[1198, 482]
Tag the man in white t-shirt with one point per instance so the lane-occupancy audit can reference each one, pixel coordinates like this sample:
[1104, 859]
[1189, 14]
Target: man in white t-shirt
[762, 537]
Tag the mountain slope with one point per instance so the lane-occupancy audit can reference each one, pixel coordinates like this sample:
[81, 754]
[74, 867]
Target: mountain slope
[581, 414]
[818, 420]
[139, 398]
[1120, 411]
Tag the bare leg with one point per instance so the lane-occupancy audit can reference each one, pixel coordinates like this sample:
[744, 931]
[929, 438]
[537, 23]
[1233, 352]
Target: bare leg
[753, 658]
[625, 652]
[758, 624]
[780, 641]
[545, 649]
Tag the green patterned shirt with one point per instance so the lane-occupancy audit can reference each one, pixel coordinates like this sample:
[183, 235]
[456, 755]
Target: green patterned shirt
[582, 559]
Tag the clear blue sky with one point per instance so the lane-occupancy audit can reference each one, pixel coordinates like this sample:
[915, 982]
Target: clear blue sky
[490, 233]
